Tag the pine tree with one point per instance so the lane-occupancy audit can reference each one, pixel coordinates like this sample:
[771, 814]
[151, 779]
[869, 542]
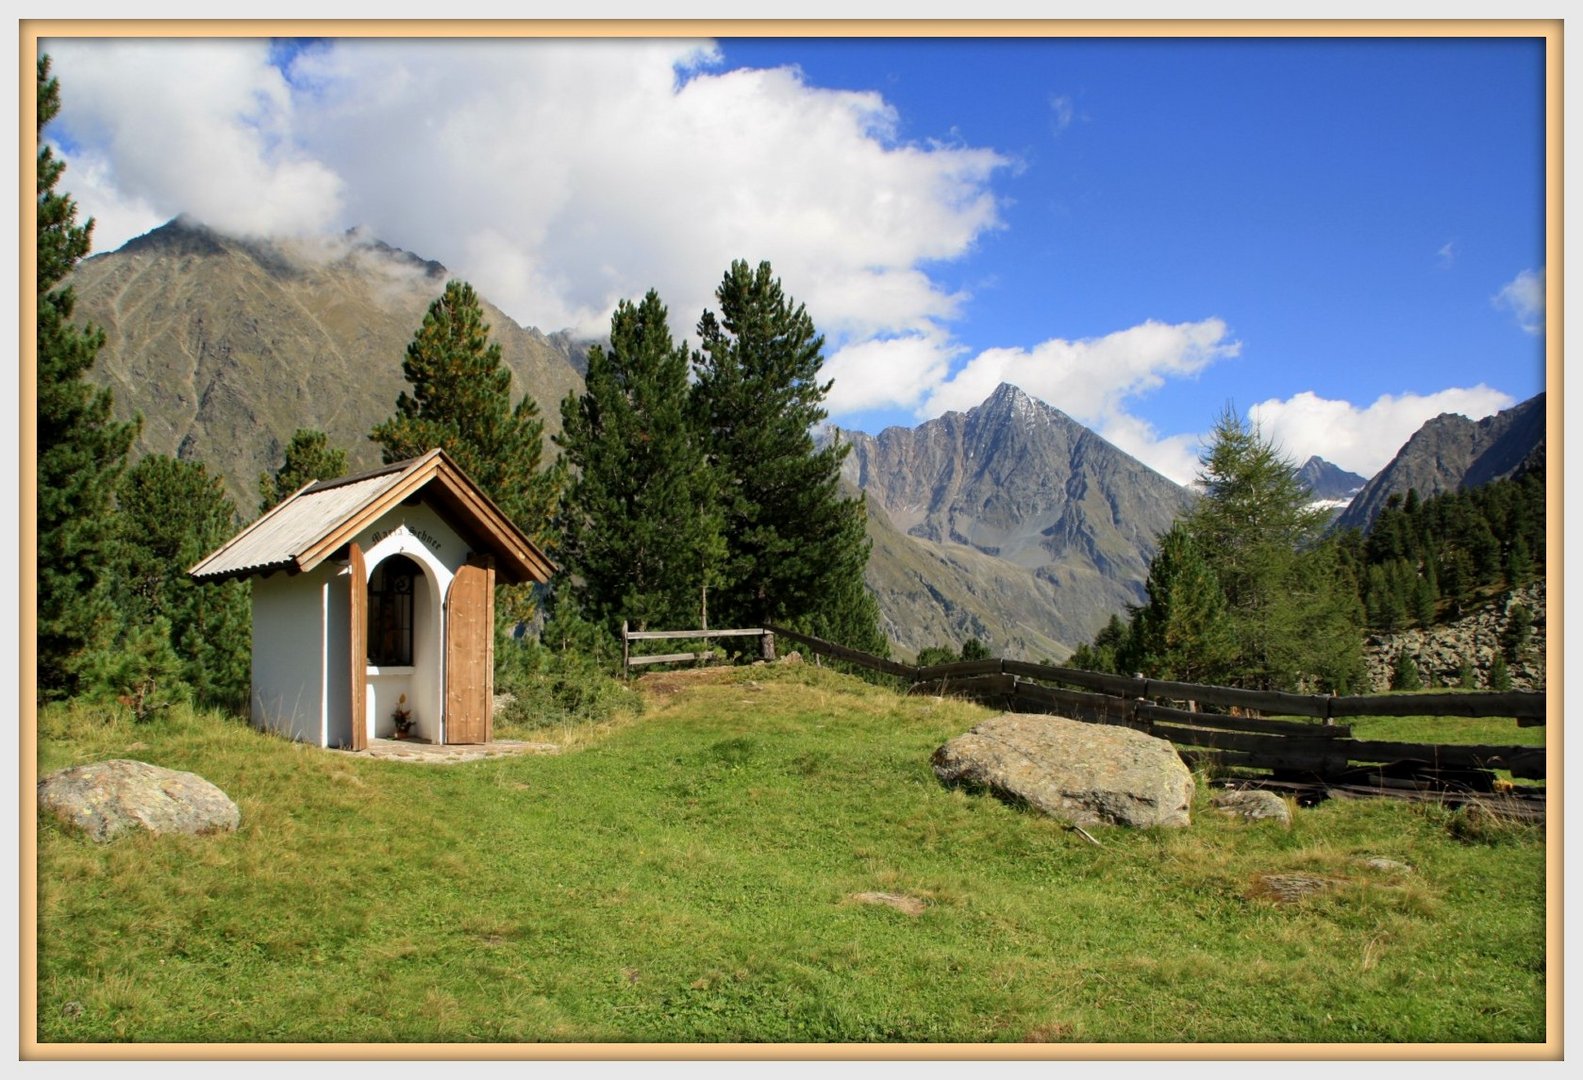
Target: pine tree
[937, 654]
[1500, 677]
[974, 649]
[1518, 633]
[1111, 651]
[461, 403]
[641, 527]
[1183, 632]
[1404, 674]
[81, 449]
[795, 548]
[1423, 602]
[171, 514]
[309, 457]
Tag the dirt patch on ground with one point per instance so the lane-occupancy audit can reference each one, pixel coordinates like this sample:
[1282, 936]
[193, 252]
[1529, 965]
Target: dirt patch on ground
[907, 905]
[417, 752]
[665, 684]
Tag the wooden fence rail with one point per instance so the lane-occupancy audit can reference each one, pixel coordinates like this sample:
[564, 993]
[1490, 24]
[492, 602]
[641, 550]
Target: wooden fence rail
[1286, 746]
[628, 661]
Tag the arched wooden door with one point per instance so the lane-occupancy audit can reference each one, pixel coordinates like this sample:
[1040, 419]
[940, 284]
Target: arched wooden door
[470, 654]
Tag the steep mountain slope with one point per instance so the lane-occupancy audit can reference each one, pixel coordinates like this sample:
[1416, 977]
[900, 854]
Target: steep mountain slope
[227, 346]
[1450, 453]
[1042, 528]
[943, 594]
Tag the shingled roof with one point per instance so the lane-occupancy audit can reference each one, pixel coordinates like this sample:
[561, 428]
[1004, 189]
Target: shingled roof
[321, 517]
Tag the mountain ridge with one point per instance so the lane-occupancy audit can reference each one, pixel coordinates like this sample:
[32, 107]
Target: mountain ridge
[227, 346]
[1451, 452]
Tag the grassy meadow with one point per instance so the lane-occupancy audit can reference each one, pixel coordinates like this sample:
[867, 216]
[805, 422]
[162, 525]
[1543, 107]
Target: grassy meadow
[690, 874]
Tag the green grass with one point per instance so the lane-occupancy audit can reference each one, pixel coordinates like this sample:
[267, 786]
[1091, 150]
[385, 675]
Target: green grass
[687, 876]
[1453, 730]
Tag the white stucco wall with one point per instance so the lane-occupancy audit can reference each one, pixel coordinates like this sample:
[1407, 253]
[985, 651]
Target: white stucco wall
[289, 653]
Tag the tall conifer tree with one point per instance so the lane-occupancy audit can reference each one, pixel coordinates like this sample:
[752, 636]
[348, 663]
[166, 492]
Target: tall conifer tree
[796, 549]
[173, 513]
[1294, 613]
[1242, 591]
[81, 449]
[461, 402]
[641, 527]
[1183, 632]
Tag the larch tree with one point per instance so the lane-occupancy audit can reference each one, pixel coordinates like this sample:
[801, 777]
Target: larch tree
[1293, 610]
[1243, 591]
[82, 450]
[796, 548]
[460, 401]
[641, 537]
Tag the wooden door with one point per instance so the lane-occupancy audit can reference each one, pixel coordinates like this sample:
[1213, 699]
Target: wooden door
[357, 651]
[469, 654]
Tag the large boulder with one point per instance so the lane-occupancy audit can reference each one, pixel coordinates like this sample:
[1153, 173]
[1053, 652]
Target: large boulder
[1085, 774]
[108, 798]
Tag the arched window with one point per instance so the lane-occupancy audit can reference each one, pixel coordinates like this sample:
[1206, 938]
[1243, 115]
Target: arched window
[390, 612]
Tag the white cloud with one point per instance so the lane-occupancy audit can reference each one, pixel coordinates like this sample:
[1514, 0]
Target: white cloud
[156, 127]
[1091, 378]
[1524, 297]
[1364, 439]
[1447, 255]
[557, 176]
[886, 372]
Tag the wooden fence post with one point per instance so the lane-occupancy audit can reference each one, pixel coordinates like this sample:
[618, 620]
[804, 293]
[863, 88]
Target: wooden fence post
[767, 647]
[626, 669]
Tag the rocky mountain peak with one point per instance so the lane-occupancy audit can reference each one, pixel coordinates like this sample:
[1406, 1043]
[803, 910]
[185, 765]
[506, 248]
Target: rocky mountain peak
[1019, 482]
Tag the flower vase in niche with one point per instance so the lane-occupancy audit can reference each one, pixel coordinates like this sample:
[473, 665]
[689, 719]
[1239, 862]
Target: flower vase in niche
[402, 715]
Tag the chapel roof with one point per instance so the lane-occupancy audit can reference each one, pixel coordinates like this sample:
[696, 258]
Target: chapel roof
[321, 517]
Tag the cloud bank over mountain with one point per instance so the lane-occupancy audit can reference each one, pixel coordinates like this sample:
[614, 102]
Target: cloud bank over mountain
[561, 176]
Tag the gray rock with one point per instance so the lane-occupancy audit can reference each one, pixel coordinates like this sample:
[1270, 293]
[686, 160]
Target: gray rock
[1085, 774]
[1389, 866]
[1254, 806]
[1441, 650]
[108, 798]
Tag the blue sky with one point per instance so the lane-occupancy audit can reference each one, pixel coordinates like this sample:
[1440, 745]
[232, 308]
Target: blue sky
[1346, 236]
[1348, 207]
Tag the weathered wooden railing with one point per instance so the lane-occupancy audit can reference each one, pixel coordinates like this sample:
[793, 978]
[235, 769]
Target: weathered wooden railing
[628, 661]
[1324, 749]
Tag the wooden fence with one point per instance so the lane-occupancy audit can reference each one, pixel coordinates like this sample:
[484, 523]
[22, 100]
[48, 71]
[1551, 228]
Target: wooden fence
[1322, 749]
[628, 661]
